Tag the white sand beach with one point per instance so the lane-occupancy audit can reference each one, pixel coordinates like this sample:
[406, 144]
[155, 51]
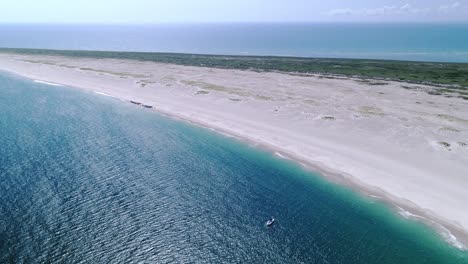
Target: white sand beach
[387, 139]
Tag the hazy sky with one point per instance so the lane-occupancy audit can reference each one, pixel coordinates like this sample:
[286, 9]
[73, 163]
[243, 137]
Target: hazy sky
[181, 11]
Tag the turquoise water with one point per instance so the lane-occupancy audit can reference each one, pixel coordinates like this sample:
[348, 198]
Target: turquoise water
[420, 42]
[90, 179]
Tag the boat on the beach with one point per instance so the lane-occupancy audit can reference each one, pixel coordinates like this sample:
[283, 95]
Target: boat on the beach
[135, 102]
[270, 221]
[148, 106]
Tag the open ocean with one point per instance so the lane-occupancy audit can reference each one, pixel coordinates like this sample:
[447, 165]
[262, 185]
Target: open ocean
[420, 42]
[86, 178]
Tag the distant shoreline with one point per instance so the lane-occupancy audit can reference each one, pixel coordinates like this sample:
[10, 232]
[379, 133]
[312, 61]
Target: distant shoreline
[388, 139]
[448, 75]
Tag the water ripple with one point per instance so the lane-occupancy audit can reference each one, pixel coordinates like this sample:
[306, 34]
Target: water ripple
[88, 179]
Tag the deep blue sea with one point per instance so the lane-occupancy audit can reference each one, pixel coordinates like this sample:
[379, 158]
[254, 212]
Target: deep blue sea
[420, 42]
[86, 178]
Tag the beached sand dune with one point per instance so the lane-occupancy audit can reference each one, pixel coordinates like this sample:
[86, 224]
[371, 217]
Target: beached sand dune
[389, 139]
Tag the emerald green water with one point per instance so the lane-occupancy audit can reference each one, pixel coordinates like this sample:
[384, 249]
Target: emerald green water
[91, 179]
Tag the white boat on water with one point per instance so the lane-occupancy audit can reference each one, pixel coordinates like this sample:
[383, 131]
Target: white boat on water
[270, 221]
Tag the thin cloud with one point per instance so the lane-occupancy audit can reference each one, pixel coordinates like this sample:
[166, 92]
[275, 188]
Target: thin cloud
[405, 7]
[341, 11]
[385, 10]
[379, 11]
[447, 8]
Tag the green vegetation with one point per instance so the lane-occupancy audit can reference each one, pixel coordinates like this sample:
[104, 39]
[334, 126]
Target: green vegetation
[452, 119]
[445, 144]
[372, 82]
[121, 74]
[451, 75]
[201, 92]
[371, 111]
[449, 129]
[208, 86]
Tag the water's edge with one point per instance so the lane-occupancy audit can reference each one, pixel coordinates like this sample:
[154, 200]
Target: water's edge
[454, 235]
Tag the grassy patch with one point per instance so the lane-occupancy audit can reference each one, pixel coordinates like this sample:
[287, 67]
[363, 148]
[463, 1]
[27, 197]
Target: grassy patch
[263, 97]
[220, 88]
[201, 92]
[452, 118]
[449, 129]
[372, 82]
[205, 85]
[371, 111]
[121, 74]
[444, 144]
[168, 79]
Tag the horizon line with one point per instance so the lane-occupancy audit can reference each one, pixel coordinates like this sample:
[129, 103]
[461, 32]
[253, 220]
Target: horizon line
[232, 22]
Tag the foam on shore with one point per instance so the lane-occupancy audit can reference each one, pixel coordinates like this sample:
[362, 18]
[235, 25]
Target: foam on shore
[444, 232]
[105, 94]
[48, 83]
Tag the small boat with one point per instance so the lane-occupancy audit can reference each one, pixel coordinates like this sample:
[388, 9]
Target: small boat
[147, 106]
[270, 221]
[135, 102]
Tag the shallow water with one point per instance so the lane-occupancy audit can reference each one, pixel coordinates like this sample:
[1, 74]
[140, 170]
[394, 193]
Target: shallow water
[86, 178]
[398, 41]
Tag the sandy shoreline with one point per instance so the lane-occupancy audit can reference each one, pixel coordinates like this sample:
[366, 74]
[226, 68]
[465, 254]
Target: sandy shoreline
[401, 145]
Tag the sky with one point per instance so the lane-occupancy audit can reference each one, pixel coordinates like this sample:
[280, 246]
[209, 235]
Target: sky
[201, 11]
